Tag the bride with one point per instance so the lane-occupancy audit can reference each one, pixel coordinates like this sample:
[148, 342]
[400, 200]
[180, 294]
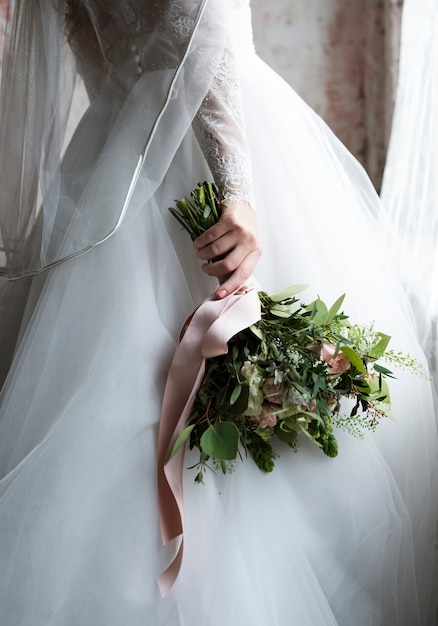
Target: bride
[97, 281]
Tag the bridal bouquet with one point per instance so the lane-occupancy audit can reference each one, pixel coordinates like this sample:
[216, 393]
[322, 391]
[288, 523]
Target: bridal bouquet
[302, 370]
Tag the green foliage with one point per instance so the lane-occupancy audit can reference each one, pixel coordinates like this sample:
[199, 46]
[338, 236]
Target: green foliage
[262, 454]
[221, 441]
[289, 375]
[200, 211]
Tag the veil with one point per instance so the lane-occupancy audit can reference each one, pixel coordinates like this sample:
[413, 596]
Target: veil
[57, 203]
[410, 185]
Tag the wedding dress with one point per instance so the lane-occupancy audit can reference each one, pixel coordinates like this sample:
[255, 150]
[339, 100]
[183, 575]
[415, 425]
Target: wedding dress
[101, 279]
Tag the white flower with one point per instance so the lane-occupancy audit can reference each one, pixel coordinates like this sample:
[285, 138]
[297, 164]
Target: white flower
[363, 337]
[277, 374]
[253, 376]
[293, 356]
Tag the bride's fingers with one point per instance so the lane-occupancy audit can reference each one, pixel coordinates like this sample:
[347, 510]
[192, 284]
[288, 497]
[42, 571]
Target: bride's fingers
[237, 278]
[237, 225]
[232, 259]
[236, 267]
[213, 234]
[234, 238]
[222, 245]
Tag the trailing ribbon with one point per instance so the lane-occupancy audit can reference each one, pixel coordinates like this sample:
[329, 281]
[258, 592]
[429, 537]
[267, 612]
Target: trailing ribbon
[207, 334]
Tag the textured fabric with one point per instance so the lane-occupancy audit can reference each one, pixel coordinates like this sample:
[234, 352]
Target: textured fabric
[317, 542]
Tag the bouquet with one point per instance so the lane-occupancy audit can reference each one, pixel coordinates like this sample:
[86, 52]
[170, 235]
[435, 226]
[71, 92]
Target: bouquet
[303, 370]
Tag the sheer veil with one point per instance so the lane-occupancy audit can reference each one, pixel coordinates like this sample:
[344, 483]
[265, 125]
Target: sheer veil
[56, 204]
[410, 186]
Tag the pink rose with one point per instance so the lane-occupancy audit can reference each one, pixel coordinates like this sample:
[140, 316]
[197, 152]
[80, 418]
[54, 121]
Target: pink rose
[337, 365]
[273, 391]
[268, 415]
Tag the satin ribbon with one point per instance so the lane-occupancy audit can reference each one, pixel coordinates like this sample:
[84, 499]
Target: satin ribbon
[207, 334]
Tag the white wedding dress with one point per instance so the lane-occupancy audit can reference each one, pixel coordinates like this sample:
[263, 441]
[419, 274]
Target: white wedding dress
[319, 542]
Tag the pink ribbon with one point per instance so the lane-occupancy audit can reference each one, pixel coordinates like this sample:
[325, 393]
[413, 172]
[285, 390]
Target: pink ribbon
[207, 334]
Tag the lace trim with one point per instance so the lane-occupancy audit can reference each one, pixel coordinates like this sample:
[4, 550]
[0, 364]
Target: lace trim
[225, 85]
[220, 130]
[231, 166]
[175, 18]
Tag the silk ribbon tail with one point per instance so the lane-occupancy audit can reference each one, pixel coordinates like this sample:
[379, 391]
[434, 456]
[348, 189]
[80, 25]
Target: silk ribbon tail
[207, 334]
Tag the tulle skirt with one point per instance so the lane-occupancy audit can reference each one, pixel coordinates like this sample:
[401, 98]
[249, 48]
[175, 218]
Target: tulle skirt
[319, 541]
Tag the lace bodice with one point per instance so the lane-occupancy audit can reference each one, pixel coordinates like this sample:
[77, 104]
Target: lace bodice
[219, 123]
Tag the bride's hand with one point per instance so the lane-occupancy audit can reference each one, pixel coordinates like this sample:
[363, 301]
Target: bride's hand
[235, 236]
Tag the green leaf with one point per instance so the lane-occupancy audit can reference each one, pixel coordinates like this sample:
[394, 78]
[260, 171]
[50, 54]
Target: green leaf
[241, 404]
[383, 370]
[236, 393]
[311, 437]
[362, 386]
[221, 441]
[207, 211]
[354, 359]
[315, 417]
[288, 293]
[379, 387]
[281, 310]
[287, 436]
[181, 439]
[380, 347]
[257, 332]
[318, 311]
[334, 309]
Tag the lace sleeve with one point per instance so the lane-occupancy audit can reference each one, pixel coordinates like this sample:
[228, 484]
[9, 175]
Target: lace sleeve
[220, 129]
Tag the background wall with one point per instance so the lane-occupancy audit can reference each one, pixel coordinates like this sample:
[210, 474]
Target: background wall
[342, 57]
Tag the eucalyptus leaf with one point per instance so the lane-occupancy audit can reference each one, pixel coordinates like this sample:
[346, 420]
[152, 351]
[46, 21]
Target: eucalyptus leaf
[319, 311]
[288, 293]
[334, 309]
[221, 441]
[241, 404]
[235, 395]
[257, 332]
[281, 310]
[181, 439]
